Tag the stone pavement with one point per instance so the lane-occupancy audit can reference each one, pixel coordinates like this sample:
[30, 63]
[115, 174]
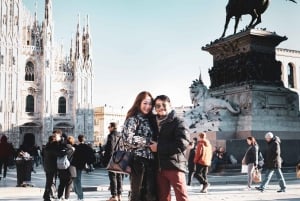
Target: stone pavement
[223, 188]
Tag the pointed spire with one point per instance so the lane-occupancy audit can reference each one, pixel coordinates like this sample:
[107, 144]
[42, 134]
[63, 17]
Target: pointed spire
[200, 77]
[48, 12]
[71, 49]
[87, 25]
[78, 23]
[35, 12]
[77, 39]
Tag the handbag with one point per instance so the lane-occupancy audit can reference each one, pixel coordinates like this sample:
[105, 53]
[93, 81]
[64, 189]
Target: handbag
[244, 169]
[120, 161]
[73, 172]
[256, 176]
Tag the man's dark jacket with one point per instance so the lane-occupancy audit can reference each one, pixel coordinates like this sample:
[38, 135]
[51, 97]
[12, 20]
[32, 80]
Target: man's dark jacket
[83, 154]
[112, 140]
[172, 141]
[50, 154]
[273, 159]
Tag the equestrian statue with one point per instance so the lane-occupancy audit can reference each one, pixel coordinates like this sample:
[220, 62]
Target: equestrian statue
[237, 8]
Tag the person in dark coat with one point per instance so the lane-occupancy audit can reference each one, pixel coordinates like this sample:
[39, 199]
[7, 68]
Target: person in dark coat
[65, 179]
[172, 141]
[114, 178]
[50, 154]
[191, 164]
[6, 152]
[82, 155]
[273, 163]
[251, 159]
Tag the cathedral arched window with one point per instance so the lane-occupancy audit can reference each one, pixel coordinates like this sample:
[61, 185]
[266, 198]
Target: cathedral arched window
[291, 73]
[29, 104]
[62, 106]
[29, 71]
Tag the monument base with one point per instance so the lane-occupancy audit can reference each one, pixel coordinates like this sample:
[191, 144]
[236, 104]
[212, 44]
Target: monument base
[246, 96]
[263, 109]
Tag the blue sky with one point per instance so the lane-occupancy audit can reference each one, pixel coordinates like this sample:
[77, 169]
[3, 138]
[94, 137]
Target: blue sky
[155, 45]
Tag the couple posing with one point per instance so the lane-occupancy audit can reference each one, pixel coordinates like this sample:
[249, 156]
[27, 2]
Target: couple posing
[158, 142]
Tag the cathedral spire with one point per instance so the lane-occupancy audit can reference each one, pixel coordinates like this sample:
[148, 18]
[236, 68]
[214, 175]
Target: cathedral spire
[35, 17]
[71, 50]
[48, 23]
[35, 12]
[77, 39]
[87, 25]
[48, 12]
[86, 40]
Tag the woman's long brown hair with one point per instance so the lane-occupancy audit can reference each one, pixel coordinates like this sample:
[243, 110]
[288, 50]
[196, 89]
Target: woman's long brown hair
[135, 109]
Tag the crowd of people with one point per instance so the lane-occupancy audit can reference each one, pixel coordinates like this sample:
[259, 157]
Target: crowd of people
[78, 154]
[161, 148]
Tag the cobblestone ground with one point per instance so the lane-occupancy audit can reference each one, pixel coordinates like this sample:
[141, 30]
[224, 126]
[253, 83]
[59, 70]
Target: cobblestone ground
[223, 188]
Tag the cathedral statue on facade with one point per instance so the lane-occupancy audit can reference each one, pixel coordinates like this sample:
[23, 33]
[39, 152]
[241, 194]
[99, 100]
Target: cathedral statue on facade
[41, 88]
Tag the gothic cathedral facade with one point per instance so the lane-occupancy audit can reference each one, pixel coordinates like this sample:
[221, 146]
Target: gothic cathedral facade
[41, 89]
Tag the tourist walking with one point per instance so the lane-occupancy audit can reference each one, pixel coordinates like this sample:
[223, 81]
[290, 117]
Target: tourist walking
[138, 135]
[191, 164]
[50, 154]
[171, 143]
[65, 179]
[114, 178]
[81, 156]
[6, 153]
[203, 157]
[273, 163]
[251, 159]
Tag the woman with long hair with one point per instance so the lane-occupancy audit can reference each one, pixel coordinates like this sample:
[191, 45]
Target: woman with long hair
[137, 132]
[251, 159]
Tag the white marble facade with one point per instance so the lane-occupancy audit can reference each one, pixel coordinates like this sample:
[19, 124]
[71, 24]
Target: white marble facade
[41, 88]
[290, 68]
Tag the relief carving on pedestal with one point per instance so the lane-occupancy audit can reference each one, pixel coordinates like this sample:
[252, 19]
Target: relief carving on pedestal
[207, 108]
[253, 67]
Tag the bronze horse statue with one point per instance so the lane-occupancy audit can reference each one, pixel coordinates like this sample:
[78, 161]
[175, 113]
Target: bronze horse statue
[237, 8]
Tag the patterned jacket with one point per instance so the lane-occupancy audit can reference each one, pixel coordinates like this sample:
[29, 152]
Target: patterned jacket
[137, 134]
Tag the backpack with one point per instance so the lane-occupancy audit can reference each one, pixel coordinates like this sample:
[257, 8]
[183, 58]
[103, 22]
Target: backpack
[62, 162]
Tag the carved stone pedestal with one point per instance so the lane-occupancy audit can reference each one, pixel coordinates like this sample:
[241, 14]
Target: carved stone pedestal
[246, 73]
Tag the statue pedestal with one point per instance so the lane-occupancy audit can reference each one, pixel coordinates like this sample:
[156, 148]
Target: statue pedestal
[246, 57]
[246, 73]
[263, 108]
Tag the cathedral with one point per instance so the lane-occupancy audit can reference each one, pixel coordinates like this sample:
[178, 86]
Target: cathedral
[41, 88]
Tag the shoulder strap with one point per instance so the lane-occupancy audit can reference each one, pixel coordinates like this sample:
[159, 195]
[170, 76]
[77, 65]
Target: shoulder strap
[116, 145]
